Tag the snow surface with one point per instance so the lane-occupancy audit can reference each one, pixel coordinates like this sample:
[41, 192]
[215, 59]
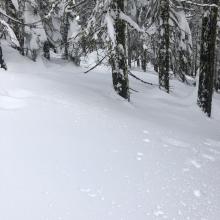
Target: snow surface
[70, 148]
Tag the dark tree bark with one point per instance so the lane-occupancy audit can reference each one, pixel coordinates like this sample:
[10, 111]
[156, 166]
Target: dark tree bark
[207, 57]
[144, 60]
[129, 49]
[217, 84]
[195, 61]
[65, 35]
[119, 59]
[21, 30]
[164, 45]
[217, 63]
[138, 62]
[2, 62]
[46, 49]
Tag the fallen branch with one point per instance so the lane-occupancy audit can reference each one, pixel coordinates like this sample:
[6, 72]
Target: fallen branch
[199, 4]
[133, 90]
[141, 80]
[96, 65]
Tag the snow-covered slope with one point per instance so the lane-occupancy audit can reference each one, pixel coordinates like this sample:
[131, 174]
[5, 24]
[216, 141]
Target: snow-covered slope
[72, 149]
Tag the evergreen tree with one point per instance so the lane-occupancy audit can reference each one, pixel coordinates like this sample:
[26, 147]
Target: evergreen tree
[164, 45]
[118, 57]
[181, 43]
[107, 28]
[217, 62]
[207, 57]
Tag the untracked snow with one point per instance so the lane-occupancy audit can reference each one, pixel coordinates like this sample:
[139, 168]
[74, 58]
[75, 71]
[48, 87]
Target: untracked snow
[71, 149]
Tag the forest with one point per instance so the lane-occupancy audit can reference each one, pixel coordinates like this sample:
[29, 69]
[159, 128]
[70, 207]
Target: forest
[180, 38]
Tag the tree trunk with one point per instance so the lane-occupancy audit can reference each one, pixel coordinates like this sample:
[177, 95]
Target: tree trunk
[164, 57]
[21, 31]
[119, 59]
[195, 60]
[129, 49]
[65, 35]
[217, 62]
[144, 60]
[207, 57]
[138, 62]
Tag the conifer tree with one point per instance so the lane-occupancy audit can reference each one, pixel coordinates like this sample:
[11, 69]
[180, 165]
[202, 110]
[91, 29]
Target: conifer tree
[164, 45]
[107, 29]
[207, 57]
[118, 57]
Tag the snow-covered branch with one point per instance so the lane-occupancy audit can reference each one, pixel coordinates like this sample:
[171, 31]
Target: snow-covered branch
[131, 22]
[199, 4]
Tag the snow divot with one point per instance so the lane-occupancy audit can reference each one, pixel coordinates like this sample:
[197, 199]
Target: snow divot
[176, 143]
[207, 143]
[208, 157]
[197, 193]
[145, 131]
[92, 195]
[211, 142]
[146, 140]
[195, 164]
[139, 156]
[159, 212]
[214, 151]
[185, 170]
